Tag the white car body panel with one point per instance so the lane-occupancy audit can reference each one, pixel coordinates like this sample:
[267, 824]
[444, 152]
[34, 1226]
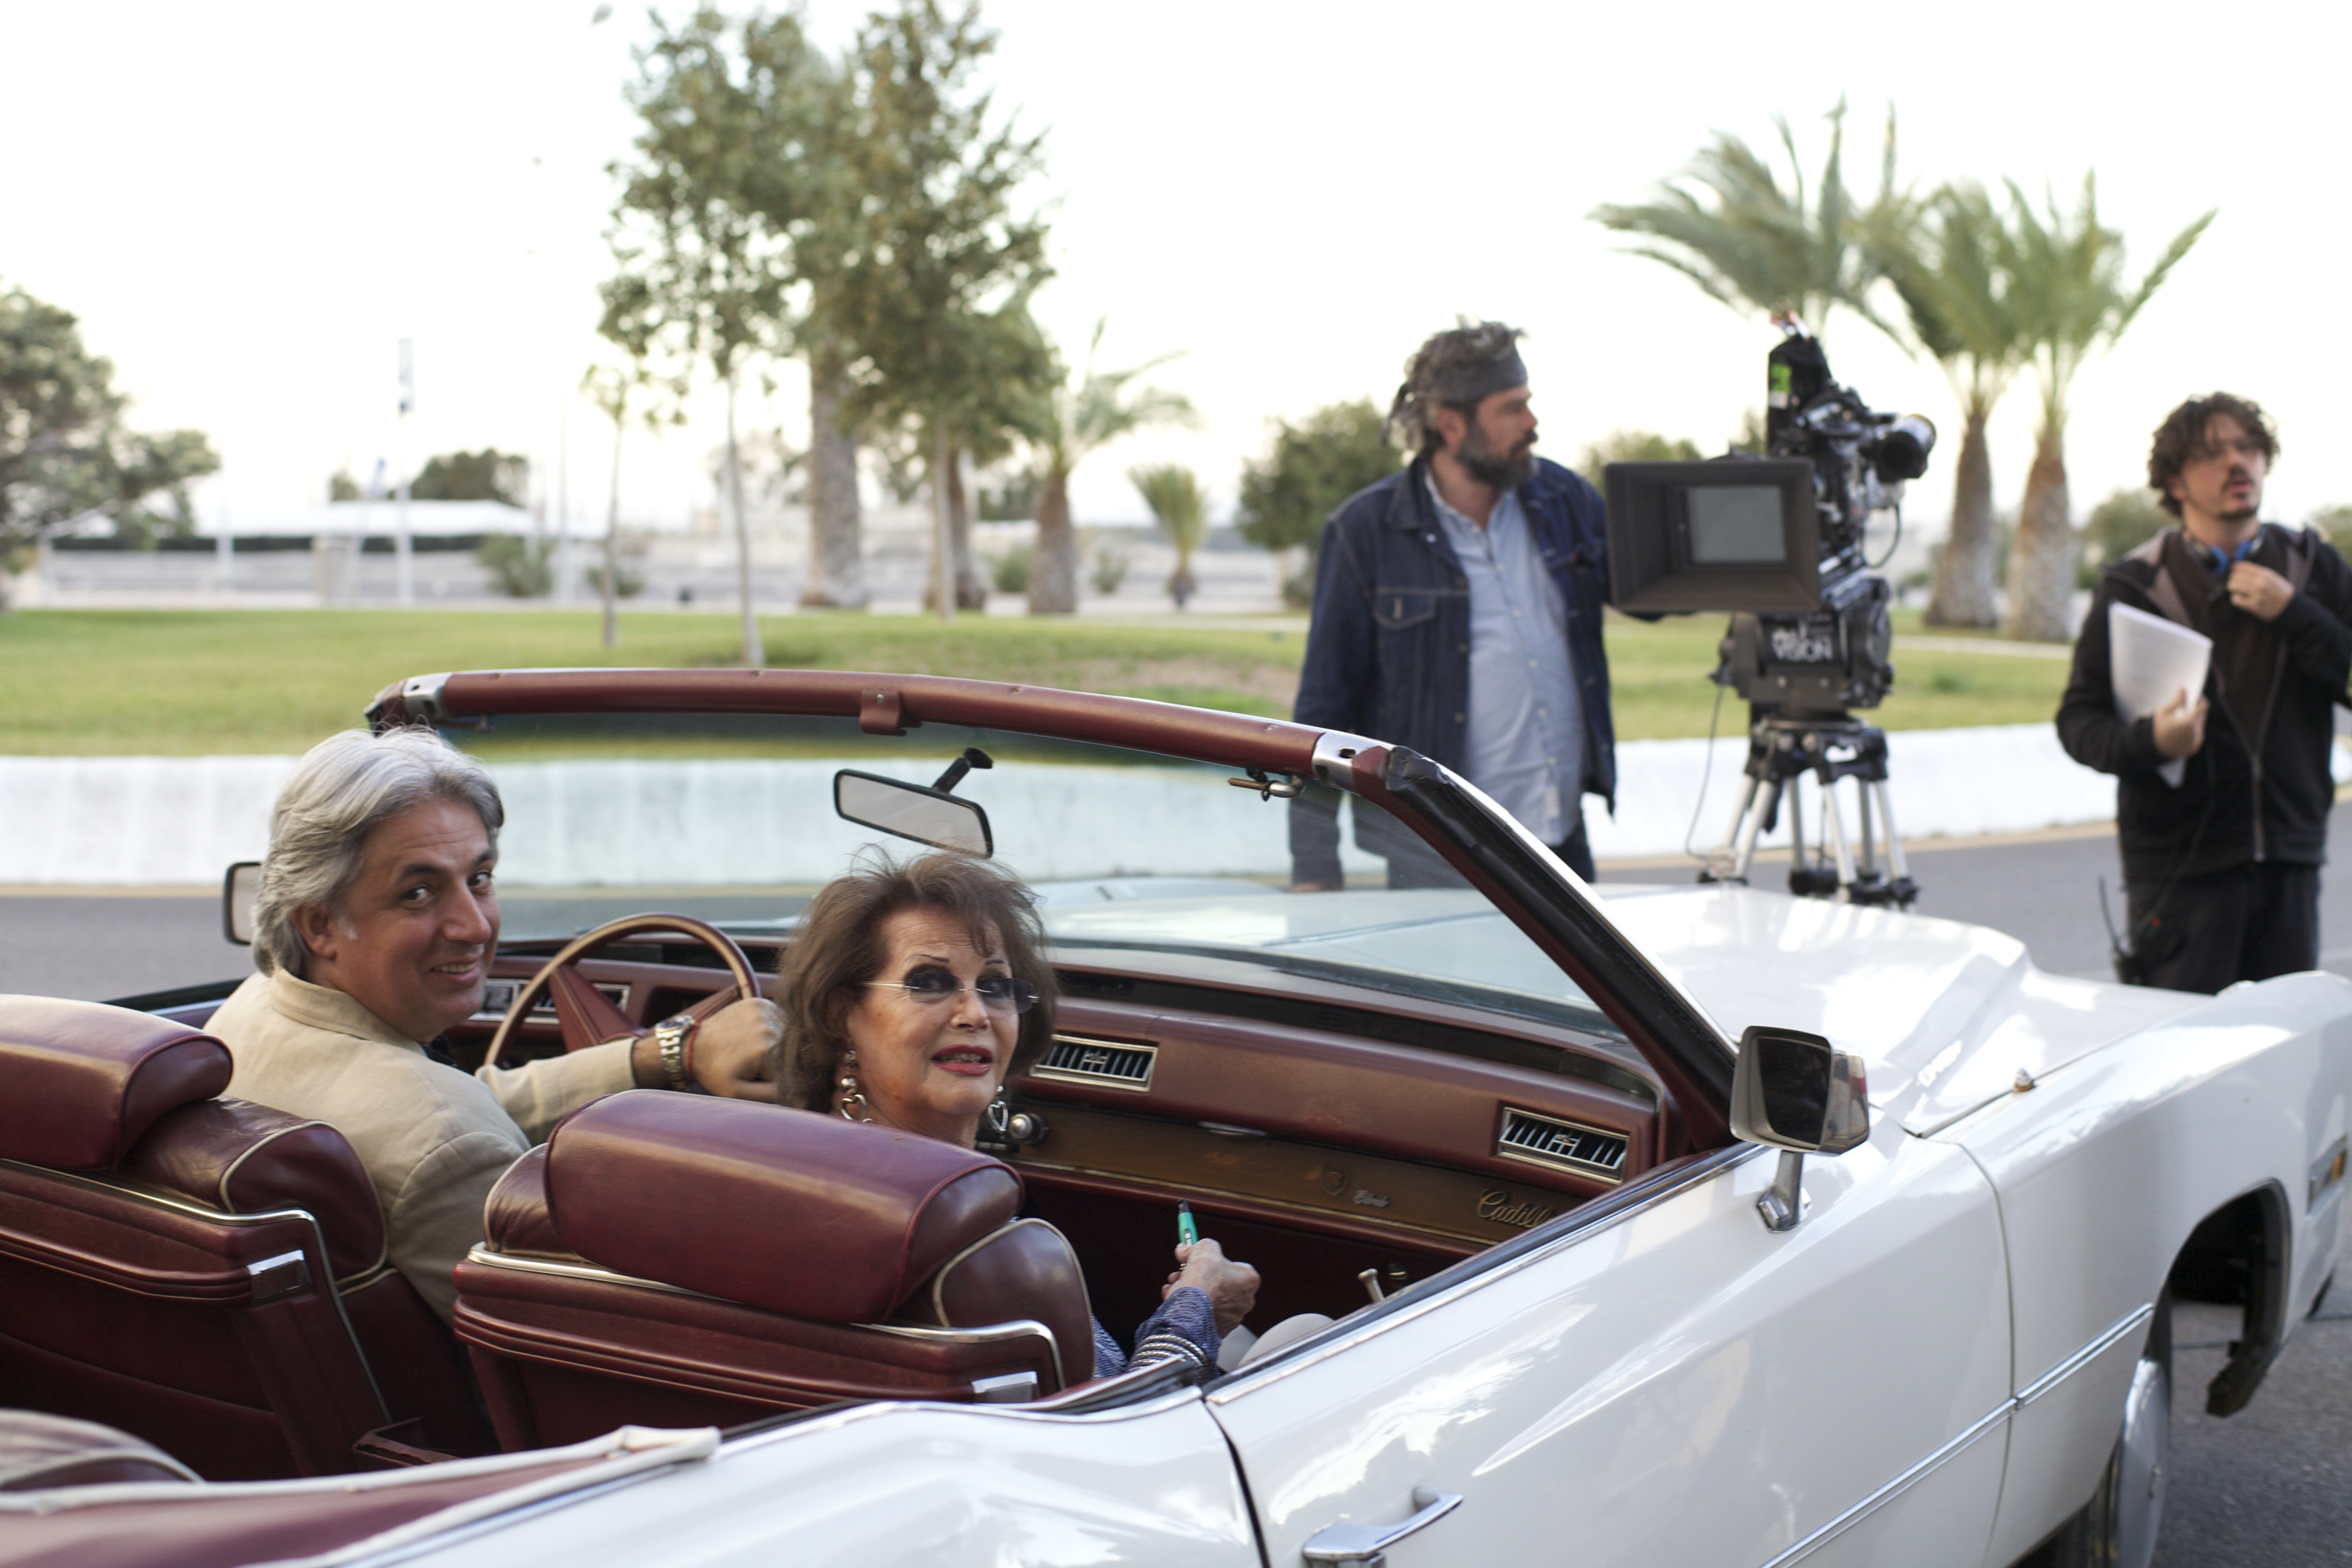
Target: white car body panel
[1930, 1369]
[925, 1486]
[1582, 1399]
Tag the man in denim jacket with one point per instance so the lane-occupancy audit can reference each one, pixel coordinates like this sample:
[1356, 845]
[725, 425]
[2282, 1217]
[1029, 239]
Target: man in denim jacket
[1457, 612]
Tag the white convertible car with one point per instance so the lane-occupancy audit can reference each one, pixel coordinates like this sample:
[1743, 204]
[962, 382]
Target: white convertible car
[1697, 1225]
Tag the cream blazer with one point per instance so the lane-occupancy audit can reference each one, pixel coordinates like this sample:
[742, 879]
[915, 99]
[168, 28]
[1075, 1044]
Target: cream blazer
[433, 1139]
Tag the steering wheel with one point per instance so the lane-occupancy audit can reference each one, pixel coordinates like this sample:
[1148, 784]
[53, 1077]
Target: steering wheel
[582, 1011]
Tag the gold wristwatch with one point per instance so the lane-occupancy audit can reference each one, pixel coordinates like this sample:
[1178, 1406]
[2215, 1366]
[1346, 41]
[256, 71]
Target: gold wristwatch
[671, 1035]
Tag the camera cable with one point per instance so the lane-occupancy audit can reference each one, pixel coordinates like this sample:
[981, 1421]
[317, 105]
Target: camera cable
[1707, 767]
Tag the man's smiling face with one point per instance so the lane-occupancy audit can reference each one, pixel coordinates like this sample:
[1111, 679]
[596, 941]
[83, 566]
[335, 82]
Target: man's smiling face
[414, 940]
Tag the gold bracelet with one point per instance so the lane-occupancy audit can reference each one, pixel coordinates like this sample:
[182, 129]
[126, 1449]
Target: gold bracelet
[674, 1036]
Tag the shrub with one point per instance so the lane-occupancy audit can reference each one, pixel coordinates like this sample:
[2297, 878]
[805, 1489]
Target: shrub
[1009, 570]
[518, 567]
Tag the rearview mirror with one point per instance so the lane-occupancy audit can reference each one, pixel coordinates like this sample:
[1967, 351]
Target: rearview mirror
[1801, 1095]
[904, 810]
[239, 890]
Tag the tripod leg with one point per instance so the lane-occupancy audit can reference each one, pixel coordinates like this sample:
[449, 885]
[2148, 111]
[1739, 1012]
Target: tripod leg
[1748, 830]
[1728, 863]
[1837, 838]
[1894, 861]
[1796, 824]
[1868, 859]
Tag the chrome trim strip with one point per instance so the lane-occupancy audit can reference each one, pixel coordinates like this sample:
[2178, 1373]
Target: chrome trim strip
[481, 1253]
[2083, 1357]
[1590, 1219]
[1335, 756]
[1017, 1328]
[1892, 1490]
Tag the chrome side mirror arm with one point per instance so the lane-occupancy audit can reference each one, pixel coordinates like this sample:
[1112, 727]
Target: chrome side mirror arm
[1801, 1095]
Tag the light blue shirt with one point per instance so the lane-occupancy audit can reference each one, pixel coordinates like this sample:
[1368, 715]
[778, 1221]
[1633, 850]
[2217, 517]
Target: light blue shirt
[1525, 744]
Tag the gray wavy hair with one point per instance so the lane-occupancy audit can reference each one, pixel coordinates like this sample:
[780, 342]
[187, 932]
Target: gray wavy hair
[343, 787]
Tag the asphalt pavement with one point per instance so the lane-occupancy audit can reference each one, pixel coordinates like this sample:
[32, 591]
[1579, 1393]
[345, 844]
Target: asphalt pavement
[2271, 1486]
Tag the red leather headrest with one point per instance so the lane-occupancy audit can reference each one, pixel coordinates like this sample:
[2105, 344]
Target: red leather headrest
[80, 1081]
[784, 1210]
[250, 1159]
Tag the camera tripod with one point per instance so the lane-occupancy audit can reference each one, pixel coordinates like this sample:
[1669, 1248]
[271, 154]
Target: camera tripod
[1781, 749]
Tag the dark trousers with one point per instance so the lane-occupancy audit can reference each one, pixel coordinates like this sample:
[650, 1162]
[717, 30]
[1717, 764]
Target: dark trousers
[2250, 922]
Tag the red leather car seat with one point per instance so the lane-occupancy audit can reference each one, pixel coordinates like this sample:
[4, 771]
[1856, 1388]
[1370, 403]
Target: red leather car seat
[204, 1273]
[674, 1260]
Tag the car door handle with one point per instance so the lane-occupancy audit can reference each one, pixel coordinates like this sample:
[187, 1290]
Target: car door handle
[1364, 1543]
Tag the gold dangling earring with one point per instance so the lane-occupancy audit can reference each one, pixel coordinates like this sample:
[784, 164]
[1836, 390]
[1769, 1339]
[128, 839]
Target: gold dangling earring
[852, 1097]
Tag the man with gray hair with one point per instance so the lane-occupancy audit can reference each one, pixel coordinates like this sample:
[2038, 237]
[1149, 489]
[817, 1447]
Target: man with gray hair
[374, 927]
[1457, 611]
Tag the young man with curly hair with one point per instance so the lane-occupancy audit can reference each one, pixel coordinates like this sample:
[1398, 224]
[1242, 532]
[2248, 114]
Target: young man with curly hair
[2220, 870]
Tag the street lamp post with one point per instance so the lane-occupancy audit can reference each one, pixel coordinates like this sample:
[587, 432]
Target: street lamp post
[404, 571]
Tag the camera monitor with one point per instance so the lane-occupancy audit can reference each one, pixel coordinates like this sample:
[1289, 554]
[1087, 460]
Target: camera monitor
[1731, 534]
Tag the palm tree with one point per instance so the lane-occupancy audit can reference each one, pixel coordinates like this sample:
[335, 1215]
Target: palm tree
[1082, 419]
[2066, 287]
[1179, 505]
[1943, 256]
[1735, 232]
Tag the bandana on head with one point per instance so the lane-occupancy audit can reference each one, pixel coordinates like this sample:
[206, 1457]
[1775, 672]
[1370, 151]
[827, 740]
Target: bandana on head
[1477, 382]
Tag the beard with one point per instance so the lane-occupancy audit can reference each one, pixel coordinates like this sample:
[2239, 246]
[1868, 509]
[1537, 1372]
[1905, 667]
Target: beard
[2239, 513]
[1497, 470]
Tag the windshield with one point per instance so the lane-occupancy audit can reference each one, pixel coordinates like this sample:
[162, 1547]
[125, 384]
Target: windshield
[1141, 863]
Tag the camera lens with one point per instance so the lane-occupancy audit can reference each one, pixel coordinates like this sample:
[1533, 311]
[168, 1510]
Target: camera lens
[1902, 452]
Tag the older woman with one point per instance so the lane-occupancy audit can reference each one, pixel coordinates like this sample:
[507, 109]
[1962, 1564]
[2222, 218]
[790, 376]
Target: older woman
[908, 994]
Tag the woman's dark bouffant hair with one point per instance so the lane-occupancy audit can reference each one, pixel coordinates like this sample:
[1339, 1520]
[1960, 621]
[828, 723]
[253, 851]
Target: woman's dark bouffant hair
[838, 946]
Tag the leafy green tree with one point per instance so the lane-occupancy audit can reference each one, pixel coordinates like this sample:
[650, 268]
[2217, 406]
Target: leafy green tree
[1630, 446]
[66, 454]
[933, 292]
[1730, 226]
[1944, 254]
[1309, 468]
[713, 269]
[2335, 524]
[2067, 286]
[1180, 507]
[1082, 417]
[340, 487]
[486, 475]
[2118, 525]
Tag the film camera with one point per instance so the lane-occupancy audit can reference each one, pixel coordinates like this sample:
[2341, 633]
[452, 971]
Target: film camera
[1778, 540]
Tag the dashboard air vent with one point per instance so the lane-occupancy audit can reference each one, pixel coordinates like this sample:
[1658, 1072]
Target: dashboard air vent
[1562, 1145]
[1115, 1064]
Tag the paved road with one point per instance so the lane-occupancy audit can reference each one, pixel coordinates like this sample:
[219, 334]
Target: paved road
[2272, 1485]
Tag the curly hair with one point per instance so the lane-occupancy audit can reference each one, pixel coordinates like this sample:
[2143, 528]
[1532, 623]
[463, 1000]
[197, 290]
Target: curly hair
[2181, 437]
[838, 946]
[1470, 356]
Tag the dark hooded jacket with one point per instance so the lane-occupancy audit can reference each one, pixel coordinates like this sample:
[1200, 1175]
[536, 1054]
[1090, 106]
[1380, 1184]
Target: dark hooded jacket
[2260, 788]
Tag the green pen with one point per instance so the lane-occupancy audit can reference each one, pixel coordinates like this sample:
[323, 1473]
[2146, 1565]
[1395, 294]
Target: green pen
[1186, 1231]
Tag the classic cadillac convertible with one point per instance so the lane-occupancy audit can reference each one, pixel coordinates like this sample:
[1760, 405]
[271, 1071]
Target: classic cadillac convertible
[1698, 1226]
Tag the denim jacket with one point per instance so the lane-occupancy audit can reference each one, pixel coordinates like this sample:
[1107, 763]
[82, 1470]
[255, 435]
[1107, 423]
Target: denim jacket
[1388, 651]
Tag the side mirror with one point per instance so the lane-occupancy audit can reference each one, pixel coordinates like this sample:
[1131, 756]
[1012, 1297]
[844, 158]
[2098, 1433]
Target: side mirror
[929, 816]
[239, 890]
[1802, 1096]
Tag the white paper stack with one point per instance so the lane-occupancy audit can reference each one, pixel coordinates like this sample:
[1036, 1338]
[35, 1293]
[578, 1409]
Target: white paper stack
[2152, 661]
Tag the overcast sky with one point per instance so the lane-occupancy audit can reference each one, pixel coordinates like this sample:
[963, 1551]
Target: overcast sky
[248, 204]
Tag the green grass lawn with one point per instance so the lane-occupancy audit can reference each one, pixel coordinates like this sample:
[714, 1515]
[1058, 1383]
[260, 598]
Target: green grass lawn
[91, 682]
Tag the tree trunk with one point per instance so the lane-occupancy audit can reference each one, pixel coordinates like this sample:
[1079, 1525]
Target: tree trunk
[1965, 571]
[943, 598]
[972, 587]
[613, 530]
[1054, 562]
[754, 656]
[836, 575]
[2042, 558]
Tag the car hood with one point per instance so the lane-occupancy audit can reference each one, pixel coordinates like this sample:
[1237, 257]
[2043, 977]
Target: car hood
[1945, 1014]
